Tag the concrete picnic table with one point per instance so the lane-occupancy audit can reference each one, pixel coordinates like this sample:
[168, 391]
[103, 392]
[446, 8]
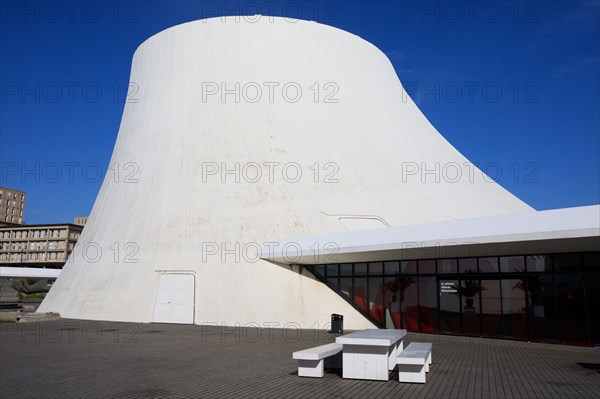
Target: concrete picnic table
[370, 354]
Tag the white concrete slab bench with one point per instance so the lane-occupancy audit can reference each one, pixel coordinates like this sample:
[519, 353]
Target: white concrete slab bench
[413, 362]
[311, 362]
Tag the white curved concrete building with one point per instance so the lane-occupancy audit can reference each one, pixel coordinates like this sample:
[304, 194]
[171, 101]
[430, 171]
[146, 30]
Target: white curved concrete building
[240, 133]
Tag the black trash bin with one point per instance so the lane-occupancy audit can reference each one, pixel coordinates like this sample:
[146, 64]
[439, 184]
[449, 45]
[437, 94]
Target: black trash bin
[337, 323]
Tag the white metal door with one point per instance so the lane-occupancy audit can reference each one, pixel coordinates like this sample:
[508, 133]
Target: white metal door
[175, 299]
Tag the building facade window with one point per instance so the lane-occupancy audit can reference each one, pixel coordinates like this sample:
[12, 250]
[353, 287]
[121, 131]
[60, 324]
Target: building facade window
[541, 298]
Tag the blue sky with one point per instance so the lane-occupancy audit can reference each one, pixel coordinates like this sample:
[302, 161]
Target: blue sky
[514, 86]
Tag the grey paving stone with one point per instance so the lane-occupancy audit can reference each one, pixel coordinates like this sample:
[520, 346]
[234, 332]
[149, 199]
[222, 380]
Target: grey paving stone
[77, 359]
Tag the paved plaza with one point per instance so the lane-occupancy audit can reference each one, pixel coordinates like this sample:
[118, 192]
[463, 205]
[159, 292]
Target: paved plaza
[85, 359]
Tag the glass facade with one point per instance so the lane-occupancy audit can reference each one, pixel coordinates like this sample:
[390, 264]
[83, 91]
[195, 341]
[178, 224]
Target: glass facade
[540, 298]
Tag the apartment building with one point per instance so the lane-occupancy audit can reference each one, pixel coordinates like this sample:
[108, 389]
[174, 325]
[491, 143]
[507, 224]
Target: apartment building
[80, 220]
[12, 206]
[42, 245]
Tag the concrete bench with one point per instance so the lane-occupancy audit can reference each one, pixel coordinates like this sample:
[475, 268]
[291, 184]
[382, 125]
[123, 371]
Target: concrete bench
[311, 362]
[413, 362]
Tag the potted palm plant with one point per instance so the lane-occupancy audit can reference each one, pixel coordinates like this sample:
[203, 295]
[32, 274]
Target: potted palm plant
[399, 285]
[469, 289]
[533, 286]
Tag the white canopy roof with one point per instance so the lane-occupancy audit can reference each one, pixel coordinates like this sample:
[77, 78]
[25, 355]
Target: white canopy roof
[28, 272]
[560, 230]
